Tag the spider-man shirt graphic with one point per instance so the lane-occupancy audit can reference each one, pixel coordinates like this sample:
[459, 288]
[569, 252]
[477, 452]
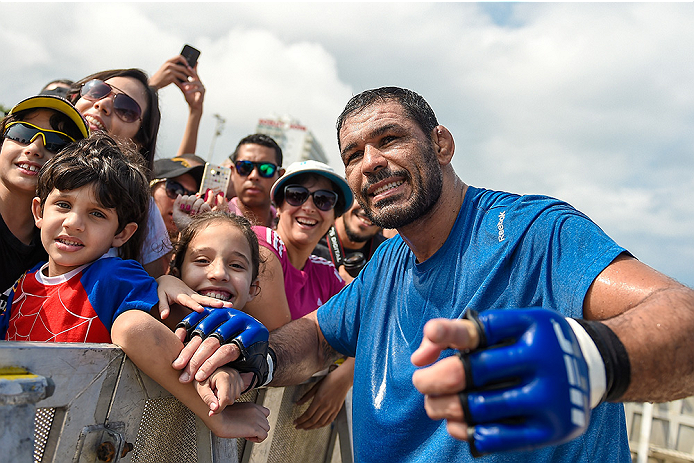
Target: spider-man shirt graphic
[79, 306]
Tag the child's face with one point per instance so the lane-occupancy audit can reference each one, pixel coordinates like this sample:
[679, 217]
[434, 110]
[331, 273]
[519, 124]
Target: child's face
[218, 264]
[19, 162]
[76, 229]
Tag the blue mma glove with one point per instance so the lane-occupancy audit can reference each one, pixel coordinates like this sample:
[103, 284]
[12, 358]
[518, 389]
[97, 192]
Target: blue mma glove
[235, 327]
[527, 385]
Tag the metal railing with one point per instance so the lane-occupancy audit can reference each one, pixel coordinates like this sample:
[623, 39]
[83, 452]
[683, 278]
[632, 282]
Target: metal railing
[663, 432]
[89, 403]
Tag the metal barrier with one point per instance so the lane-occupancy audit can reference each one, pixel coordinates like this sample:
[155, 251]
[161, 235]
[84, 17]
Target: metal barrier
[662, 433]
[89, 403]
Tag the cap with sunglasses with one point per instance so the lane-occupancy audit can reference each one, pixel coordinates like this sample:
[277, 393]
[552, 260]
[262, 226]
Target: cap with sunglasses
[25, 133]
[297, 168]
[55, 103]
[174, 167]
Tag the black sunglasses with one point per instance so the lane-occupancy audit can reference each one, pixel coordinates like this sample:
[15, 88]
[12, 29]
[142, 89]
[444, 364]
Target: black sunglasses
[124, 106]
[265, 169]
[25, 133]
[296, 195]
[173, 189]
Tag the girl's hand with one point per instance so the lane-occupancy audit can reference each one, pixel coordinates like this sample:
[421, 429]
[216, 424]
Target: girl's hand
[172, 290]
[216, 202]
[186, 206]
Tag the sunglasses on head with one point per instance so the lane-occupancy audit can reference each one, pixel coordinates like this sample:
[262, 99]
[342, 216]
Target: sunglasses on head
[124, 106]
[265, 169]
[25, 133]
[296, 195]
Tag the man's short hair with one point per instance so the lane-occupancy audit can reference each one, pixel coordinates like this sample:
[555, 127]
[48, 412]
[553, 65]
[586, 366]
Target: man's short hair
[416, 107]
[262, 140]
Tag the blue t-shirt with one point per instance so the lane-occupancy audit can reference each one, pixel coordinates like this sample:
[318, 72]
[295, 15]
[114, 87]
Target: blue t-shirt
[504, 251]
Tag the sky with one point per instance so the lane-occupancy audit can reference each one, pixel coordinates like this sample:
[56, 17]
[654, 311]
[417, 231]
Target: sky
[592, 103]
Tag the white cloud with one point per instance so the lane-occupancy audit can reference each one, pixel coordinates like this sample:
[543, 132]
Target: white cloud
[589, 102]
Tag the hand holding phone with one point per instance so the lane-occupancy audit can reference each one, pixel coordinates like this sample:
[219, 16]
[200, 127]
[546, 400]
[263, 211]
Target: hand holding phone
[191, 55]
[215, 178]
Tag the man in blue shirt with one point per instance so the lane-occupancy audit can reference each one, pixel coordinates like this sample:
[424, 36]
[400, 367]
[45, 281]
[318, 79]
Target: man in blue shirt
[465, 267]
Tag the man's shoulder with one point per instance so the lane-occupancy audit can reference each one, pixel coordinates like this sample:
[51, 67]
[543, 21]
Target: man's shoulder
[483, 199]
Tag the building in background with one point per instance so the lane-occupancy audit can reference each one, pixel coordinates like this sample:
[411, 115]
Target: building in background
[296, 141]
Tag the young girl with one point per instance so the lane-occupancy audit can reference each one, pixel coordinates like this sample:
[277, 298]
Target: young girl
[217, 255]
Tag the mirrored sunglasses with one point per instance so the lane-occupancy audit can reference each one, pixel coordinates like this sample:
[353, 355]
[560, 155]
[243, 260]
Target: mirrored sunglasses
[296, 195]
[124, 106]
[265, 169]
[25, 133]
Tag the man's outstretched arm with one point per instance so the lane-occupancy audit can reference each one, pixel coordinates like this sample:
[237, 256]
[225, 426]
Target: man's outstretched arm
[639, 321]
[653, 317]
[301, 351]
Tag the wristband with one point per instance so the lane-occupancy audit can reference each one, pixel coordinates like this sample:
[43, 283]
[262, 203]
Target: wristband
[271, 362]
[613, 355]
[596, 366]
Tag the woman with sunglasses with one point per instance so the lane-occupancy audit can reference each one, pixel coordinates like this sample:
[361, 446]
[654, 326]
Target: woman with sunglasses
[121, 103]
[32, 133]
[309, 197]
[174, 177]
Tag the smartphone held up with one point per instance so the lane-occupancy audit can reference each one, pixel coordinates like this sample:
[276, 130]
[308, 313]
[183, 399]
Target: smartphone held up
[215, 179]
[191, 55]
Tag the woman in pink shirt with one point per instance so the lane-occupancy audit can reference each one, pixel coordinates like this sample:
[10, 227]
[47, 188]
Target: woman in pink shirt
[309, 196]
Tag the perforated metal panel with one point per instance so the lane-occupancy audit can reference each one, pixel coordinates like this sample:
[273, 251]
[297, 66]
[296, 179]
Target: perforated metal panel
[43, 421]
[167, 433]
[98, 398]
[285, 444]
[291, 445]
